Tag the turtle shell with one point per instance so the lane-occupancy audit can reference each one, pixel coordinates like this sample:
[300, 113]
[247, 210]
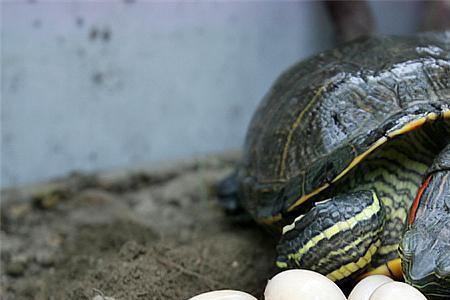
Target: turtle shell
[325, 114]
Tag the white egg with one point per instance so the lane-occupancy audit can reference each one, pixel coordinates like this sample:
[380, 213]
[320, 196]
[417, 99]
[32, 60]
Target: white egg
[396, 291]
[302, 285]
[223, 295]
[365, 287]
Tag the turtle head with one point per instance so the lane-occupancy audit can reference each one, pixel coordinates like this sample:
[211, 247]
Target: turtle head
[425, 247]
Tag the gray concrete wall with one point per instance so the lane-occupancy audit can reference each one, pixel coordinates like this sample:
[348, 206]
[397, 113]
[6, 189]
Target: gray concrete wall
[99, 85]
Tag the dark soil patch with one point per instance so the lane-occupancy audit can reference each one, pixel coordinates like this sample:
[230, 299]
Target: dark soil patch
[133, 234]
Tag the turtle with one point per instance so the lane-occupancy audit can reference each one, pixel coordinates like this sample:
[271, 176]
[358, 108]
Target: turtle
[347, 158]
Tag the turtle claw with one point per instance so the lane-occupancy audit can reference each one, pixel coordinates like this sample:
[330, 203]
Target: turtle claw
[408, 244]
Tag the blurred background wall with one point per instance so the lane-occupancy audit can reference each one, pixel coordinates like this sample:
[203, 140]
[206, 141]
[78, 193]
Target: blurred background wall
[99, 85]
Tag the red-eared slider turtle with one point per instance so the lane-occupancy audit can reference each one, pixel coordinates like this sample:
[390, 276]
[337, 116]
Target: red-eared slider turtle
[347, 148]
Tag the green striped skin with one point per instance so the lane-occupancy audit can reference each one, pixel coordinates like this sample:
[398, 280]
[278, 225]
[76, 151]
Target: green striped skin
[395, 173]
[425, 248]
[342, 232]
[392, 175]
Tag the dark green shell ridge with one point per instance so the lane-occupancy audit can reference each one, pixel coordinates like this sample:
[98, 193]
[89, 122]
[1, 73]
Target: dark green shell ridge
[325, 111]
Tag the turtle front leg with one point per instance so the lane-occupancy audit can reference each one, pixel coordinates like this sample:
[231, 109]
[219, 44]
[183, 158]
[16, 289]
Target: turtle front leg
[338, 237]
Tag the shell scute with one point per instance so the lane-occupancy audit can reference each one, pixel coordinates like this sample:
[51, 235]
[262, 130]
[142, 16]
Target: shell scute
[324, 112]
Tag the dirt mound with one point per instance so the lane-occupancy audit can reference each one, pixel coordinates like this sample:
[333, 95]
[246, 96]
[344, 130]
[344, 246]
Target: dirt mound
[134, 234]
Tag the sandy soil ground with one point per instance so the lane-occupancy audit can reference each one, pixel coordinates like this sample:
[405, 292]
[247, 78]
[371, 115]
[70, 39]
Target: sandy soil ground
[143, 233]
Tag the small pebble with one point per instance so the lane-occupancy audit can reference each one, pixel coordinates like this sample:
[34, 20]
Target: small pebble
[397, 291]
[302, 285]
[365, 287]
[45, 258]
[223, 295]
[15, 268]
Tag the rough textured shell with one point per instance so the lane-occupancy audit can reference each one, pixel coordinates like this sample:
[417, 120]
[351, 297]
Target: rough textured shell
[322, 112]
